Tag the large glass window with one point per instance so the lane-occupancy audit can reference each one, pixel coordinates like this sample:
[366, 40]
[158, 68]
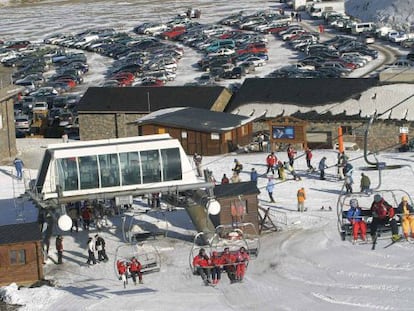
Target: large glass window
[67, 174]
[151, 171]
[171, 163]
[88, 171]
[17, 257]
[108, 164]
[130, 168]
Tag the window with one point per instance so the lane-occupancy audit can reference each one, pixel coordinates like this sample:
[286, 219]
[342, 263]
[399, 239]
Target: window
[184, 135]
[67, 174]
[151, 171]
[109, 167]
[17, 257]
[171, 164]
[238, 209]
[346, 130]
[130, 168]
[88, 171]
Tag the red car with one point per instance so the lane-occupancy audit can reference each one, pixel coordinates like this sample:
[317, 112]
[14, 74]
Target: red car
[274, 30]
[230, 34]
[70, 82]
[124, 78]
[253, 48]
[173, 33]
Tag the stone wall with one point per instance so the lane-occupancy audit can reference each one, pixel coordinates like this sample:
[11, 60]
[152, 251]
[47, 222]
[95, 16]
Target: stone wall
[383, 134]
[110, 125]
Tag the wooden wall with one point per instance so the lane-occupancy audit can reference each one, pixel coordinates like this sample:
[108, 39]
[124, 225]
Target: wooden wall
[22, 274]
[201, 142]
[251, 215]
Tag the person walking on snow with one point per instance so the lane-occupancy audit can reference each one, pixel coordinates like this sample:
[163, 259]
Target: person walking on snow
[270, 187]
[309, 155]
[348, 183]
[237, 167]
[18, 164]
[365, 183]
[301, 197]
[291, 152]
[59, 248]
[406, 212]
[91, 251]
[253, 175]
[322, 166]
[281, 170]
[354, 216]
[271, 161]
[100, 247]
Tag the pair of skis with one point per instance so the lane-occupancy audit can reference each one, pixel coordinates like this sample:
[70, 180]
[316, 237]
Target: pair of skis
[401, 239]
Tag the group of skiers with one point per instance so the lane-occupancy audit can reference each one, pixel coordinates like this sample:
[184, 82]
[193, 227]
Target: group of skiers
[210, 268]
[132, 268]
[382, 214]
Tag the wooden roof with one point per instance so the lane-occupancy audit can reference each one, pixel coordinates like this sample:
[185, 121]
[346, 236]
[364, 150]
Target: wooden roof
[301, 92]
[17, 233]
[147, 99]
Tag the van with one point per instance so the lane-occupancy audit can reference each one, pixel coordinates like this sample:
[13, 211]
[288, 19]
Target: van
[218, 44]
[362, 27]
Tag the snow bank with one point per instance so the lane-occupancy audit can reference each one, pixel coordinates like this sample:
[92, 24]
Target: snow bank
[30, 298]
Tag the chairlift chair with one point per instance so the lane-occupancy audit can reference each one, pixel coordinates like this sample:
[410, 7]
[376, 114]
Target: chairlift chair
[146, 253]
[365, 200]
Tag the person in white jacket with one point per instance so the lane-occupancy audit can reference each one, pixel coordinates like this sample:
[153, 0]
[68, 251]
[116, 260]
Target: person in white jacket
[91, 251]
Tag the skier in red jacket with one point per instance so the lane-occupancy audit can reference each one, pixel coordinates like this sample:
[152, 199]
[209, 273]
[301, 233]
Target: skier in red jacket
[242, 260]
[122, 271]
[271, 161]
[217, 266]
[383, 213]
[135, 269]
[201, 263]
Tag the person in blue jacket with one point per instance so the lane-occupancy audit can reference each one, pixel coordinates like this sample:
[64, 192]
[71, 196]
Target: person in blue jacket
[253, 175]
[354, 216]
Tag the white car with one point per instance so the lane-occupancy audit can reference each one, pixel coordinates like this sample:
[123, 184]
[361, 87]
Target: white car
[397, 37]
[40, 106]
[222, 52]
[256, 61]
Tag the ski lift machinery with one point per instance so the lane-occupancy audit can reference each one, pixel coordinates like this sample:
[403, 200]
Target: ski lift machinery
[365, 200]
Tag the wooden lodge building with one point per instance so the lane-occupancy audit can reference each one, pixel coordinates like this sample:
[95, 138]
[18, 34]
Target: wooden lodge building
[21, 255]
[199, 131]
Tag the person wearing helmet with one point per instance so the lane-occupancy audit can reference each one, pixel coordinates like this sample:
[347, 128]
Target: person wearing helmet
[242, 262]
[201, 265]
[217, 266]
[406, 213]
[383, 214]
[354, 216]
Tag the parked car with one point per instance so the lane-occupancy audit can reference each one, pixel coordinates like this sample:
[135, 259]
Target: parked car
[22, 123]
